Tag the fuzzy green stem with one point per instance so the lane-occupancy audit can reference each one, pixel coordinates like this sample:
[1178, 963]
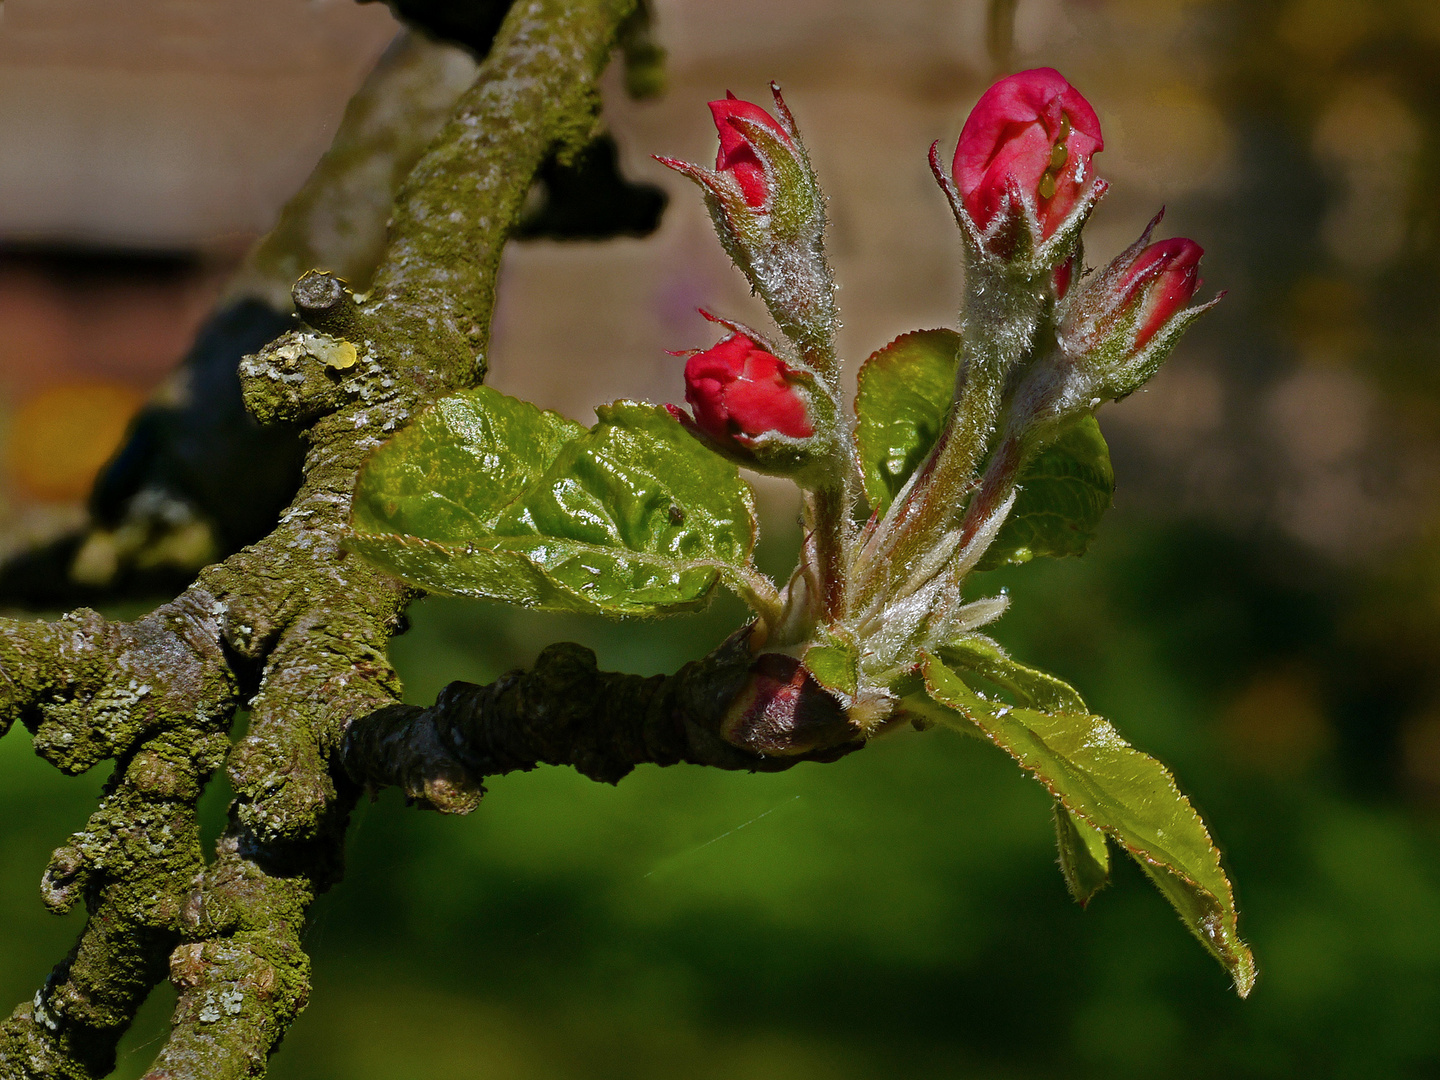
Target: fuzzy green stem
[1002, 317]
[826, 520]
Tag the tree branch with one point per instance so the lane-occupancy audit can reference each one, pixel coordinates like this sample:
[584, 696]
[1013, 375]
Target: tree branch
[436, 288]
[567, 712]
[157, 696]
[290, 617]
[316, 621]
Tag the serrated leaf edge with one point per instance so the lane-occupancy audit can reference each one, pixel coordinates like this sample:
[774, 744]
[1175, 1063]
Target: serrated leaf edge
[1242, 969]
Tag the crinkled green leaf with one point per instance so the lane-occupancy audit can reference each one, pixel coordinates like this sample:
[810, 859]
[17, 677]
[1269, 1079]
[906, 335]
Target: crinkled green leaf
[1101, 781]
[448, 476]
[904, 391]
[487, 496]
[1064, 493]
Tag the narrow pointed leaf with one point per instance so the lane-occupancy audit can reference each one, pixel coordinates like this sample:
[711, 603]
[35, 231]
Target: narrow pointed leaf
[487, 496]
[1084, 855]
[1030, 686]
[1102, 782]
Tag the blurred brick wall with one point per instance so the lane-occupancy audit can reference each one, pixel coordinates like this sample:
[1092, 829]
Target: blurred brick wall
[184, 125]
[147, 143]
[170, 123]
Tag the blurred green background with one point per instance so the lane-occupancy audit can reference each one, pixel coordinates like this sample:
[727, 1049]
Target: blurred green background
[1262, 612]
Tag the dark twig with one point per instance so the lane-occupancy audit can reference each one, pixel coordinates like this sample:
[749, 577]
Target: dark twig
[565, 711]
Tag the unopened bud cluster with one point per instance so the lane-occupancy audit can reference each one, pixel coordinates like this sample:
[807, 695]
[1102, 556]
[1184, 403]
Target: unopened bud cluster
[1043, 342]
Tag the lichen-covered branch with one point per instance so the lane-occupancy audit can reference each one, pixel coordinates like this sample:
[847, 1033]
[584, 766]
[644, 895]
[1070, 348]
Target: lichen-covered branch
[290, 622]
[336, 221]
[436, 287]
[319, 622]
[157, 696]
[565, 711]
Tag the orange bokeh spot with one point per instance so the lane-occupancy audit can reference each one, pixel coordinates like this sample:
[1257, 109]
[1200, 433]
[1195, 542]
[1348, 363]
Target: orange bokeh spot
[59, 439]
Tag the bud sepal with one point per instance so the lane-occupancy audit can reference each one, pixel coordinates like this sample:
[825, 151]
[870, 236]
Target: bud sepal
[769, 214]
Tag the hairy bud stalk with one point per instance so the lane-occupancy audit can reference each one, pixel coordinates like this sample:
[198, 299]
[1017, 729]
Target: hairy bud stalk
[1116, 331]
[1021, 187]
[770, 216]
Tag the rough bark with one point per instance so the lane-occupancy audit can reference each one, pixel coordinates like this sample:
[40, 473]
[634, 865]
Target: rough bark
[565, 711]
[289, 623]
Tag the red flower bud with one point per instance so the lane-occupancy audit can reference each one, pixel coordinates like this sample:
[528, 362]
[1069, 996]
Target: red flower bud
[740, 391]
[737, 154]
[1162, 279]
[1031, 134]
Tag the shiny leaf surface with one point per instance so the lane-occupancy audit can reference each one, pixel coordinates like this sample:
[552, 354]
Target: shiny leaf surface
[1101, 782]
[487, 496]
[1064, 493]
[834, 661]
[904, 390]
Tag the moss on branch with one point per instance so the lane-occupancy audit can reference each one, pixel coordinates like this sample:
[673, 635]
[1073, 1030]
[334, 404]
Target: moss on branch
[289, 621]
[157, 696]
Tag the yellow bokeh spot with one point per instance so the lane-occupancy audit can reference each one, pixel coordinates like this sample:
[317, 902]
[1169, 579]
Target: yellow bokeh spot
[59, 439]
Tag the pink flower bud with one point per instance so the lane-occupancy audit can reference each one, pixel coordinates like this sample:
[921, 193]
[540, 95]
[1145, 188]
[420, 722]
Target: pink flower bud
[1162, 279]
[737, 153]
[739, 391]
[1031, 135]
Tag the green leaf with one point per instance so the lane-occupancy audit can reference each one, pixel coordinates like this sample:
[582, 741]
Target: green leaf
[1084, 856]
[1101, 782]
[1031, 687]
[1064, 492]
[448, 476]
[904, 392]
[834, 661]
[487, 496]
